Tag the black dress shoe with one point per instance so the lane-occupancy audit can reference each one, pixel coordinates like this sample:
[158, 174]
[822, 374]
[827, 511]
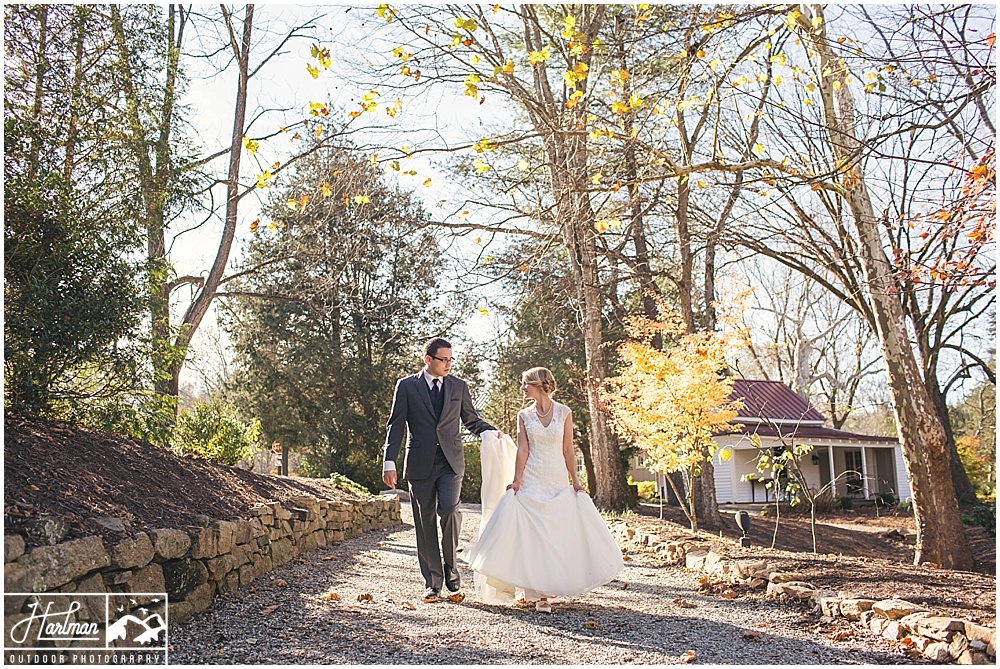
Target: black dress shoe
[451, 579]
[431, 595]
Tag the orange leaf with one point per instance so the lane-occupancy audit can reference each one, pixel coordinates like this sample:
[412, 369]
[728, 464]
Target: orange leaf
[365, 598]
[408, 606]
[688, 657]
[255, 225]
[427, 183]
[331, 596]
[990, 39]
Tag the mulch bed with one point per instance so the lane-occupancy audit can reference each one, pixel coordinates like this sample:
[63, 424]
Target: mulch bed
[76, 474]
[869, 561]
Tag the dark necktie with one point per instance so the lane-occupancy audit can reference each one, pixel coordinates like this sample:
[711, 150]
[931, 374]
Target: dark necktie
[436, 398]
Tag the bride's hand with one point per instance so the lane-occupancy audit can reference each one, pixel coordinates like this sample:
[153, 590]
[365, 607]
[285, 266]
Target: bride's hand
[578, 488]
[515, 486]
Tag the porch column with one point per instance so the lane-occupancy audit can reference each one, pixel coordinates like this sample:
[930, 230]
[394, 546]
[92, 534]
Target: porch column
[833, 472]
[864, 471]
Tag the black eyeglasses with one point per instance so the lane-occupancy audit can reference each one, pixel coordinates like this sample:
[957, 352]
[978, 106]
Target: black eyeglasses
[448, 360]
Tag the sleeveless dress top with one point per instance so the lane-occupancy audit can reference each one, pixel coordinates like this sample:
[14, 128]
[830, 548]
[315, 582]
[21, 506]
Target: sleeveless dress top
[546, 540]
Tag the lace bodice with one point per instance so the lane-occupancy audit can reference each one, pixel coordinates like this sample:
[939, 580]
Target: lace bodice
[545, 471]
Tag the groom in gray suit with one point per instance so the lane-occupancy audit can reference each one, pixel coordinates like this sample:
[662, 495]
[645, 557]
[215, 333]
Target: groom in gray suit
[431, 405]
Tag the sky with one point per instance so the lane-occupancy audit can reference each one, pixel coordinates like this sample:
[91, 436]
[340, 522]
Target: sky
[284, 82]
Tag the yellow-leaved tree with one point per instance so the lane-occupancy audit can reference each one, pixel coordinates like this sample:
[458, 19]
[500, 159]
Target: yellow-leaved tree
[670, 402]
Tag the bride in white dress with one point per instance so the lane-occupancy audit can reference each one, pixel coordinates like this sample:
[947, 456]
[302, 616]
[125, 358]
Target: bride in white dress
[542, 537]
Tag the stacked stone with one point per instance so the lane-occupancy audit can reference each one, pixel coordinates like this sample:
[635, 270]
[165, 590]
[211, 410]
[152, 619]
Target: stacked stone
[190, 564]
[939, 638]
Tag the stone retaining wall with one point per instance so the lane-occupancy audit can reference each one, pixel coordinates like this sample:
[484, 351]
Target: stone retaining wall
[191, 564]
[941, 639]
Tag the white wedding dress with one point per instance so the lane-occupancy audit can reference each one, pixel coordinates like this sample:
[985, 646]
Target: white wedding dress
[547, 540]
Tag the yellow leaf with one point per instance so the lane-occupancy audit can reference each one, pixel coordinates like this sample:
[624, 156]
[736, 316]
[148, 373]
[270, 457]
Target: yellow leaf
[251, 145]
[362, 199]
[263, 178]
[319, 131]
[536, 57]
[568, 25]
[836, 85]
[596, 179]
[466, 24]
[483, 311]
[427, 183]
[463, 215]
[313, 71]
[474, 59]
[522, 165]
[726, 454]
[325, 190]
[635, 101]
[480, 166]
[292, 204]
[759, 149]
[479, 240]
[508, 67]
[702, 184]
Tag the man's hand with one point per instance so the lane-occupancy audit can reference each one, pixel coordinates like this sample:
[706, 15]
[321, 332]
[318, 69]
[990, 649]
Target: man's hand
[390, 479]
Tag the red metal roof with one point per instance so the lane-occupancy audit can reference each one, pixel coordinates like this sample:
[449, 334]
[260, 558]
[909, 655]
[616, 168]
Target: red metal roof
[772, 401]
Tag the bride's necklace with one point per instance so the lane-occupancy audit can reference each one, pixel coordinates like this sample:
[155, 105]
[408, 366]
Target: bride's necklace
[543, 414]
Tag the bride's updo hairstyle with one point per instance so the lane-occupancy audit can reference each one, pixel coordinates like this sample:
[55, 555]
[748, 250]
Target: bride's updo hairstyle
[541, 378]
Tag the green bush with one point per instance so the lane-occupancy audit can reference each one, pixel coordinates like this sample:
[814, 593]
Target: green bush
[885, 499]
[347, 484]
[846, 503]
[215, 431]
[472, 482]
[985, 516]
[647, 489]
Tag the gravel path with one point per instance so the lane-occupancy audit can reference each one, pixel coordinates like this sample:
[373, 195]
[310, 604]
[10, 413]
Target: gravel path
[633, 620]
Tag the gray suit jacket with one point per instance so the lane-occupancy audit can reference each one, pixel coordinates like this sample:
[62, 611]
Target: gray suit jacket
[411, 408]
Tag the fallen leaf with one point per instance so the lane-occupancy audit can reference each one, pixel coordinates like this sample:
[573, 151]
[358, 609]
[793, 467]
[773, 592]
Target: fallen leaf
[279, 583]
[684, 603]
[626, 558]
[331, 596]
[365, 598]
[457, 598]
[728, 594]
[590, 625]
[841, 635]
[750, 636]
[408, 606]
[266, 611]
[688, 657]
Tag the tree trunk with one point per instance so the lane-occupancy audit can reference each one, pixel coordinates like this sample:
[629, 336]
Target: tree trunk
[705, 499]
[197, 310]
[36, 110]
[152, 185]
[940, 535]
[566, 149]
[964, 492]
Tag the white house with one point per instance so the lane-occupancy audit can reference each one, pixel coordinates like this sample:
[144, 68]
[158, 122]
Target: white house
[863, 465]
